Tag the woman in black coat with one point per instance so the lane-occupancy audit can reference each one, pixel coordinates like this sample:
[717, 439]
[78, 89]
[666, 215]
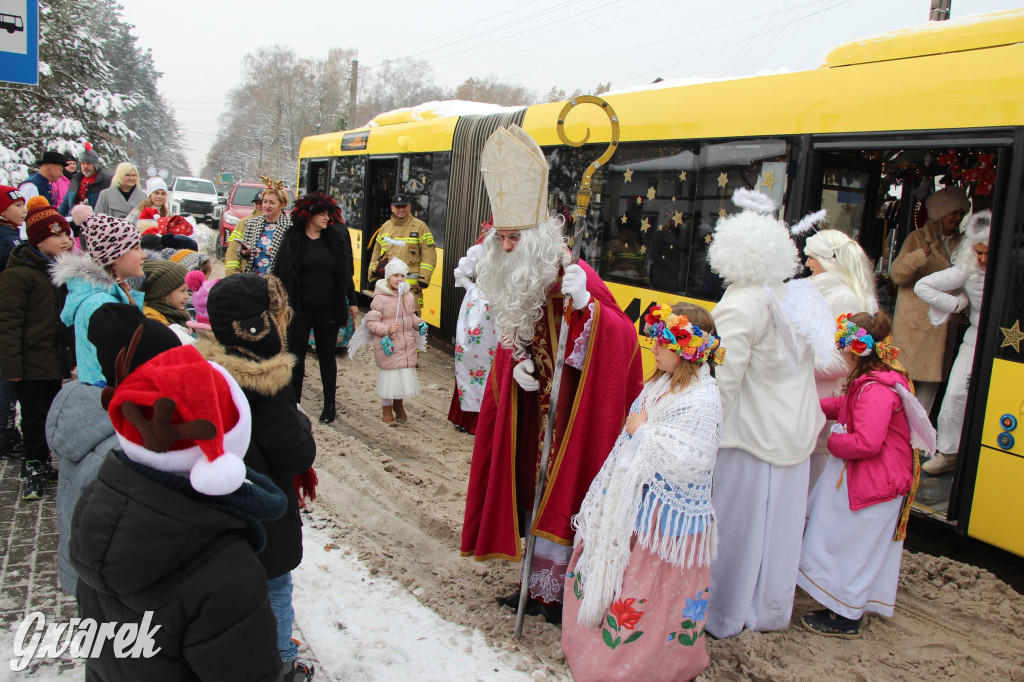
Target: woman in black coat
[315, 264]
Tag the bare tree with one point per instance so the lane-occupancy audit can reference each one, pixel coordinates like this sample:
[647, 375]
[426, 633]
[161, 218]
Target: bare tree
[492, 90]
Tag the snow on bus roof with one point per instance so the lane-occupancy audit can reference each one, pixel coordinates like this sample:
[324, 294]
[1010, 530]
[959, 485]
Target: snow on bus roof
[442, 109]
[695, 80]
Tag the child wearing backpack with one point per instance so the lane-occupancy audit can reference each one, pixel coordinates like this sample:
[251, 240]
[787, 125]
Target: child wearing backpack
[857, 512]
[36, 349]
[398, 334]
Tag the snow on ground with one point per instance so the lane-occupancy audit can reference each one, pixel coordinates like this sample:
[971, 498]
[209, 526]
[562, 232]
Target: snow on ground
[364, 627]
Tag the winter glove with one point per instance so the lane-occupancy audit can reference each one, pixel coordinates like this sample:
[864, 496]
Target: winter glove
[523, 374]
[837, 428]
[389, 348]
[574, 284]
[422, 328]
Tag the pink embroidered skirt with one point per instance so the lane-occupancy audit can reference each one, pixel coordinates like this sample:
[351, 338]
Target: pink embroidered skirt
[654, 631]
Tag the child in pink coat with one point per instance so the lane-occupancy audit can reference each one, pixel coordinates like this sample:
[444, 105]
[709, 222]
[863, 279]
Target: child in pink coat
[398, 335]
[853, 540]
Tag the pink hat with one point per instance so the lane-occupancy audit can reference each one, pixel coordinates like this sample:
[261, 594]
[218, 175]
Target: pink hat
[200, 288]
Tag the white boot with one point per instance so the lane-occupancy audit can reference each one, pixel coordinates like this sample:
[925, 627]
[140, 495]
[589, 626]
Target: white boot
[940, 464]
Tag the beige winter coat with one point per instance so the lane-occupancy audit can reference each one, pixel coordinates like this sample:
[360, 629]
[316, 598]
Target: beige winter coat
[384, 312]
[924, 347]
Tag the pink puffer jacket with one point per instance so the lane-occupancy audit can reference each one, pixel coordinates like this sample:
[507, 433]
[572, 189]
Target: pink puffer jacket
[876, 446]
[384, 310]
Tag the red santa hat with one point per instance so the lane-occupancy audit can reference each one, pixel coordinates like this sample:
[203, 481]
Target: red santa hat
[182, 414]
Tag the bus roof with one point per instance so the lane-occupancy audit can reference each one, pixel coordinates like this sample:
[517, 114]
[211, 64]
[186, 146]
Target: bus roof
[935, 37]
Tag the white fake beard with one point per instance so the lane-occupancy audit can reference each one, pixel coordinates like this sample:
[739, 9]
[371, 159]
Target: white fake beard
[515, 284]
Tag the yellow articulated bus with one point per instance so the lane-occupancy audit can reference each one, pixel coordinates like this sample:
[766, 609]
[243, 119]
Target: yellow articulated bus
[868, 135]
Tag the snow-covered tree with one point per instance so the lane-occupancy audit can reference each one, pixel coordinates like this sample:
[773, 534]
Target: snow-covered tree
[93, 79]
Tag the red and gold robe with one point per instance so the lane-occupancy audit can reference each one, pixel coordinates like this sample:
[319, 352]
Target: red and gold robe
[594, 402]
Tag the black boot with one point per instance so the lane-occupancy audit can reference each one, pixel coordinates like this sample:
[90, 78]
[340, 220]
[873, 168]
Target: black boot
[327, 416]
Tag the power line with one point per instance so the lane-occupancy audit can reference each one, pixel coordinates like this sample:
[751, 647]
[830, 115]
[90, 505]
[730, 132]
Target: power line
[475, 24]
[728, 45]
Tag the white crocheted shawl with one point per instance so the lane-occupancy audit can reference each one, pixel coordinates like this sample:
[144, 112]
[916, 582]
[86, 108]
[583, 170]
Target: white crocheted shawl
[655, 484]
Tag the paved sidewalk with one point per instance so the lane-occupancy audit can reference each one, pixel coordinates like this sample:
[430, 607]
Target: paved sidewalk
[28, 565]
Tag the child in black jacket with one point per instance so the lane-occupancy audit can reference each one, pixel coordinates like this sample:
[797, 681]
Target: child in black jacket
[249, 318]
[36, 350]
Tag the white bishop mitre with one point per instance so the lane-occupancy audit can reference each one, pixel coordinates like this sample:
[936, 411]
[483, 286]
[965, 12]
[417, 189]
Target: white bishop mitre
[516, 175]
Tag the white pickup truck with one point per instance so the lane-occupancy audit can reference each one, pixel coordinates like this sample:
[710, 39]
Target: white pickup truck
[197, 197]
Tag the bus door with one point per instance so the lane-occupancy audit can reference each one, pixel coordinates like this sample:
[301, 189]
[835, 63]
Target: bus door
[381, 183]
[874, 187]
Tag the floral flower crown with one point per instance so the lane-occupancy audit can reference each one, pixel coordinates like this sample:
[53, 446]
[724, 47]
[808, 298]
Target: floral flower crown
[857, 339]
[683, 337]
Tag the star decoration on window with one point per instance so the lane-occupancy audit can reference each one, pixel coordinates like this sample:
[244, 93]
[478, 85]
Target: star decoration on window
[639, 200]
[682, 175]
[643, 249]
[768, 180]
[1012, 336]
[645, 224]
[723, 179]
[722, 213]
[624, 219]
[651, 193]
[707, 238]
[628, 175]
[677, 218]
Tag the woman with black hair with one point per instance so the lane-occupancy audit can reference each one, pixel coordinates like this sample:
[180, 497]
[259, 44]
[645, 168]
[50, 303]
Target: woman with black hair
[315, 263]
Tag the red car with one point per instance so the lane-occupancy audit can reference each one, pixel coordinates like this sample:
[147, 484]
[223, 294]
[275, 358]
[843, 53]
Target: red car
[239, 206]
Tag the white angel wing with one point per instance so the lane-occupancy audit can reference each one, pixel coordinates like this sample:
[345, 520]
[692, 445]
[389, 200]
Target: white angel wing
[790, 350]
[811, 315]
[362, 336]
[922, 433]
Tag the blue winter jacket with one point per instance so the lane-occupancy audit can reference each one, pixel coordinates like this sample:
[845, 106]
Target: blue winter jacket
[89, 287]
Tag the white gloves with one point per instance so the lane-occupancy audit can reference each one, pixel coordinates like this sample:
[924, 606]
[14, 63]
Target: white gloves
[837, 428]
[574, 284]
[523, 374]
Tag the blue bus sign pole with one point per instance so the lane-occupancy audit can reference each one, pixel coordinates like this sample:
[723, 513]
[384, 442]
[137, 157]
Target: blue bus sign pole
[19, 41]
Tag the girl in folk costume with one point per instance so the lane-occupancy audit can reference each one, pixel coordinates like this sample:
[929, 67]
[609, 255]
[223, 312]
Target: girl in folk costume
[638, 584]
[857, 512]
[951, 291]
[476, 341]
[399, 334]
[840, 270]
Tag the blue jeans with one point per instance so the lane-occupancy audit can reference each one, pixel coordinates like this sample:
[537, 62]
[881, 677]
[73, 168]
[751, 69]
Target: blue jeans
[279, 590]
[8, 406]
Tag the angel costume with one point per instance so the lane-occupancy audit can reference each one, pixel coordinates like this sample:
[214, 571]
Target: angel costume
[638, 585]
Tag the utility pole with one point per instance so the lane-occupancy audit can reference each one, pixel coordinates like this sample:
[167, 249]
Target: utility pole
[940, 10]
[353, 88]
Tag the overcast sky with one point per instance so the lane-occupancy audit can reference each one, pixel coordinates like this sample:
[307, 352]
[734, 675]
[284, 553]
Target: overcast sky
[199, 44]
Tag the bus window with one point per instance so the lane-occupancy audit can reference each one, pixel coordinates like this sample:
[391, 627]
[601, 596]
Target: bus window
[724, 167]
[346, 186]
[417, 180]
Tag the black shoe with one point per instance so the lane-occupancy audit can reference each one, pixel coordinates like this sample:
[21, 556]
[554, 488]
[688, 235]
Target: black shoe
[51, 473]
[831, 624]
[31, 468]
[327, 416]
[301, 671]
[34, 487]
[11, 445]
[552, 613]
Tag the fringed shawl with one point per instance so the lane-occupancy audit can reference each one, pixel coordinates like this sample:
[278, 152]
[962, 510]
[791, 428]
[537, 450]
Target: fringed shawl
[656, 484]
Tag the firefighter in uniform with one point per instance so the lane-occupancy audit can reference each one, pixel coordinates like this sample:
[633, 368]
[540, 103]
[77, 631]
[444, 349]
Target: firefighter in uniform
[409, 239]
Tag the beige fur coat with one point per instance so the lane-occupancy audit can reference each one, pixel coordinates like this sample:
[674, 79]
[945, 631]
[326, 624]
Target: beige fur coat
[924, 347]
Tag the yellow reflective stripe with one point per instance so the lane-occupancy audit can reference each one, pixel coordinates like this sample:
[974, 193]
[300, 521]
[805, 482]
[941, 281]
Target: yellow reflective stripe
[426, 266]
[428, 238]
[232, 263]
[236, 236]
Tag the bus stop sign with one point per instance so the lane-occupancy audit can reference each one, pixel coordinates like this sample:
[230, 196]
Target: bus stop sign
[19, 41]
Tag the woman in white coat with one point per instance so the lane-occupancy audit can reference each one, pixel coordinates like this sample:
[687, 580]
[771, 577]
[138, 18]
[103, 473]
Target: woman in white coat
[949, 291]
[841, 271]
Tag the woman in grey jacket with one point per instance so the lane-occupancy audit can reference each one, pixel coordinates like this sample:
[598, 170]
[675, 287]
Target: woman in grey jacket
[78, 429]
[124, 193]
